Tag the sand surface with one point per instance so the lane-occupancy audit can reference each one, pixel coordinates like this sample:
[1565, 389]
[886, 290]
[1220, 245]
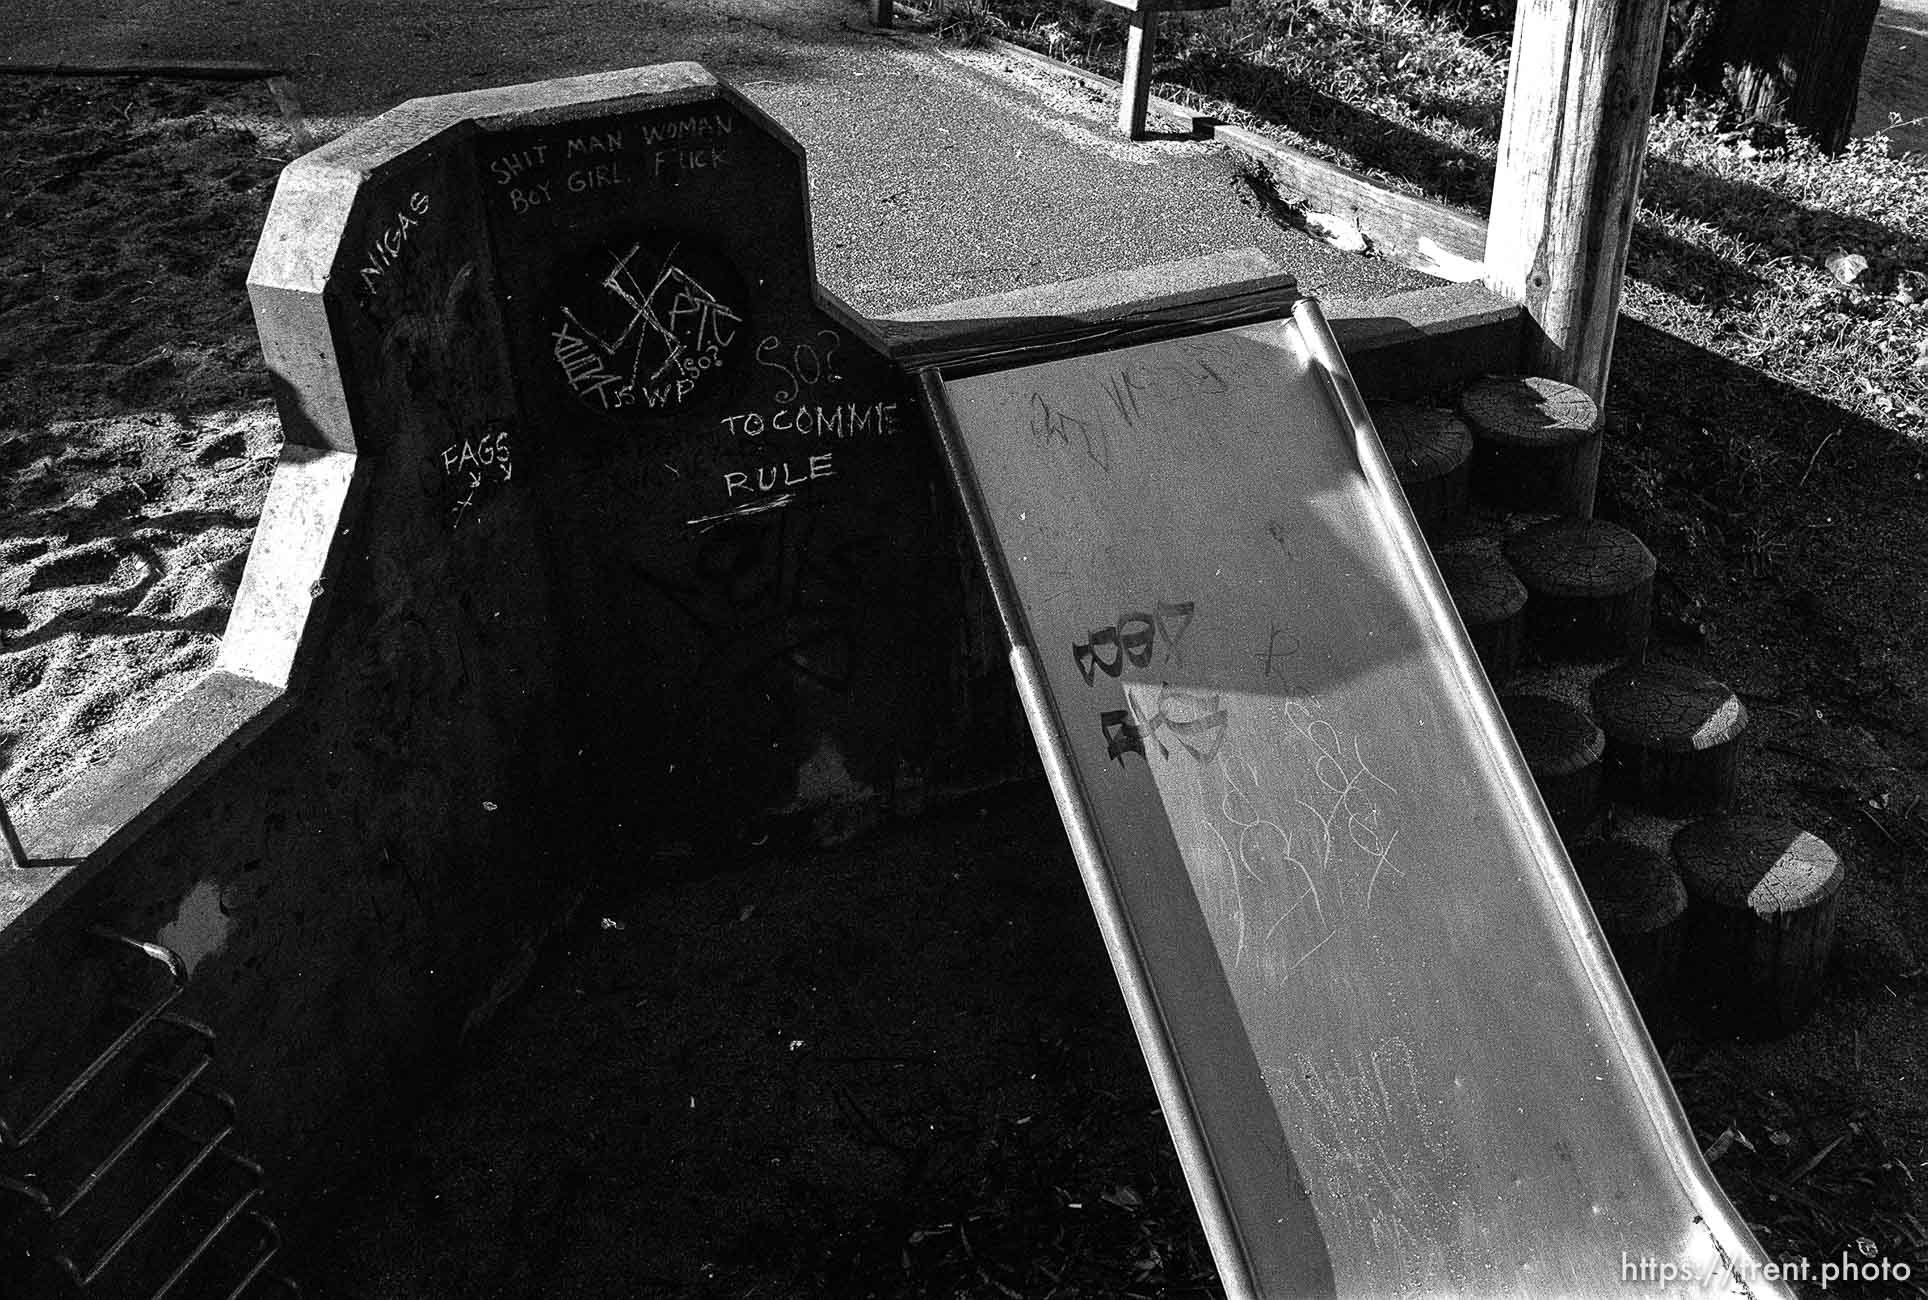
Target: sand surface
[136, 439]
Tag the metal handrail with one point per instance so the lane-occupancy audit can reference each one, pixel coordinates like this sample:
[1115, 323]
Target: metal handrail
[179, 1081]
[208, 1238]
[15, 850]
[207, 1148]
[271, 1246]
[12, 1139]
[179, 1089]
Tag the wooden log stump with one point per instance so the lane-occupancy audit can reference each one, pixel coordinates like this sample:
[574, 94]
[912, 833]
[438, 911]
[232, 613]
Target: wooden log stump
[1673, 738]
[1590, 588]
[1536, 444]
[1429, 449]
[1563, 751]
[1490, 600]
[1762, 896]
[1641, 905]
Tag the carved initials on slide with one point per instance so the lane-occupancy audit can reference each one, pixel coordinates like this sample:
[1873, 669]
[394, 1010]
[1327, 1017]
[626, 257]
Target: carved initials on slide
[1199, 727]
[1085, 655]
[1122, 735]
[1161, 611]
[1132, 640]
[1136, 642]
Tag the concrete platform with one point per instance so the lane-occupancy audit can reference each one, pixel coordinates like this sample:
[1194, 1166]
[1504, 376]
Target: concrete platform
[1033, 191]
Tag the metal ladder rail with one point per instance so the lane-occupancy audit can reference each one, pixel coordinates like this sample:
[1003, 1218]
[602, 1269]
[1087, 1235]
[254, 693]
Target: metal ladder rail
[12, 1138]
[16, 1139]
[204, 1148]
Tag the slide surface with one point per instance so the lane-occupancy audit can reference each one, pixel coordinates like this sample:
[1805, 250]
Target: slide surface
[1394, 1052]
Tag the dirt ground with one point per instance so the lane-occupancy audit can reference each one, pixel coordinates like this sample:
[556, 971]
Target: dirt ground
[903, 1069]
[897, 1068]
[1799, 579]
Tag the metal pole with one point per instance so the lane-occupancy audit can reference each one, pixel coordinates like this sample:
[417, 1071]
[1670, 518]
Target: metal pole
[15, 852]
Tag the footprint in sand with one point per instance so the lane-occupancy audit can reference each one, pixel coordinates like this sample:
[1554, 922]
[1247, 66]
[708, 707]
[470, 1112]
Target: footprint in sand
[98, 564]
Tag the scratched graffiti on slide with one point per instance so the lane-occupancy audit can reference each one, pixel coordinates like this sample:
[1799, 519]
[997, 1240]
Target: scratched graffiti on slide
[1382, 1160]
[1298, 839]
[651, 325]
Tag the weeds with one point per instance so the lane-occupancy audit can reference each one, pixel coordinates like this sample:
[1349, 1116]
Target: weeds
[968, 22]
[1813, 269]
[1371, 84]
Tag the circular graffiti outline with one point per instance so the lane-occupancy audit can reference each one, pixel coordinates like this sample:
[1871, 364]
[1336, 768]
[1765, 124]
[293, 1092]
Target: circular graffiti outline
[648, 326]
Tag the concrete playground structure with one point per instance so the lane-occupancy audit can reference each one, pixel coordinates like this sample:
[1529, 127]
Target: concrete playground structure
[602, 535]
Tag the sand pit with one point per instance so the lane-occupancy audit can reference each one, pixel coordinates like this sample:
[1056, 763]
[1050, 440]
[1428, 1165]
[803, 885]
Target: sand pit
[136, 440]
[124, 542]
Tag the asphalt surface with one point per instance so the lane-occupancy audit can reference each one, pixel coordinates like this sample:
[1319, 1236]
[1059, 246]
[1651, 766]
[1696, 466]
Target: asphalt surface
[1894, 77]
[940, 174]
[937, 172]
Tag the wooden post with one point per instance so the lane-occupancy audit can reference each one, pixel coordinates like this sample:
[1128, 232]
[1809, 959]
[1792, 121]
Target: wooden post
[1578, 97]
[1141, 39]
[882, 12]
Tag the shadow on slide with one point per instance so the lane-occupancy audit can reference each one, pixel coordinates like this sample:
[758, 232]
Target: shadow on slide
[1394, 1052]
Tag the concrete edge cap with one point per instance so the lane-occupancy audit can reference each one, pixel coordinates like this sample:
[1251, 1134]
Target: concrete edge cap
[316, 193]
[384, 139]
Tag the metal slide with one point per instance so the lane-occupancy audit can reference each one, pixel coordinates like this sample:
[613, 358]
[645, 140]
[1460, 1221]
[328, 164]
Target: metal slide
[1394, 1052]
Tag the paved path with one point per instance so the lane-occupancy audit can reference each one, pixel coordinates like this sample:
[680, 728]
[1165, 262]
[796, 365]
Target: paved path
[937, 173]
[1894, 78]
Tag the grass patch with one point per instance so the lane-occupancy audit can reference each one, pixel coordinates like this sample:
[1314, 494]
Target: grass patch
[1376, 85]
[1736, 230]
[1810, 268]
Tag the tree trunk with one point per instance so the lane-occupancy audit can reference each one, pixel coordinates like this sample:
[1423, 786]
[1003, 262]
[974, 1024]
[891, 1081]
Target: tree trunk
[1793, 61]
